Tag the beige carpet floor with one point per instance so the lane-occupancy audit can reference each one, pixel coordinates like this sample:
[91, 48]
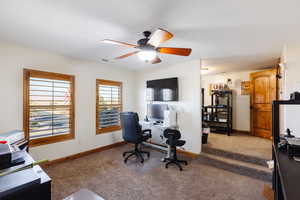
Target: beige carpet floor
[106, 174]
[241, 143]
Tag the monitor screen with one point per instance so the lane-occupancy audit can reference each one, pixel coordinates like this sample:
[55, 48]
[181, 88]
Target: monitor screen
[156, 111]
[162, 90]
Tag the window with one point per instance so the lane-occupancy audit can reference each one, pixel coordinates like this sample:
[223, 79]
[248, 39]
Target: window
[48, 107]
[108, 106]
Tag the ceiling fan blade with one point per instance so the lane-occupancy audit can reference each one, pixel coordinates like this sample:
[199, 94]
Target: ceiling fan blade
[175, 51]
[156, 60]
[118, 43]
[159, 36]
[127, 55]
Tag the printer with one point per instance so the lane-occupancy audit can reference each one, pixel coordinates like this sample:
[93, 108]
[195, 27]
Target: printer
[11, 146]
[12, 137]
[5, 156]
[10, 156]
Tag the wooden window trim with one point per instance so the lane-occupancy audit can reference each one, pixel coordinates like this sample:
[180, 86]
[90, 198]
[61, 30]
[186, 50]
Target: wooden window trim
[27, 73]
[107, 82]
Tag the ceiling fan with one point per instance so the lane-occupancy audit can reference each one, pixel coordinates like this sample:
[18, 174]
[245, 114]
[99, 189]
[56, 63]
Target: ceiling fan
[148, 47]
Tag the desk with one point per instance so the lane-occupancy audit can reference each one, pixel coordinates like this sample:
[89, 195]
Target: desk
[286, 176]
[157, 131]
[158, 140]
[29, 184]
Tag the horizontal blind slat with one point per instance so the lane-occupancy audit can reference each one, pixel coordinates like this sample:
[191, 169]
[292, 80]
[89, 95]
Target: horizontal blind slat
[48, 129]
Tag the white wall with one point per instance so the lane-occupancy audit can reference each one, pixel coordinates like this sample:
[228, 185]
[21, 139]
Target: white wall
[241, 103]
[12, 61]
[291, 60]
[189, 104]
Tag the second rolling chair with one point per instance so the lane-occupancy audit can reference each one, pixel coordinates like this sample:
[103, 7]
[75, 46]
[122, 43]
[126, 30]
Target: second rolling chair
[173, 137]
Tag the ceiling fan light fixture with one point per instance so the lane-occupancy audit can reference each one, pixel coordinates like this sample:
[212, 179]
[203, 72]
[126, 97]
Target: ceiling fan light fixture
[149, 47]
[147, 55]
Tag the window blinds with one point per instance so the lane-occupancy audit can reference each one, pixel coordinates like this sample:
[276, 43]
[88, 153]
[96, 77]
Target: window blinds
[50, 107]
[109, 104]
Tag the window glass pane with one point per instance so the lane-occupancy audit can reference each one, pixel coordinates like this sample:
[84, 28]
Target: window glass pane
[109, 105]
[50, 105]
[109, 116]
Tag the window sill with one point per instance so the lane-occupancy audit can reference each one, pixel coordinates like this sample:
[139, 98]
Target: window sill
[50, 140]
[108, 129]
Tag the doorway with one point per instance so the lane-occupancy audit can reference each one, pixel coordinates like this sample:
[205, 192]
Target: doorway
[251, 112]
[248, 147]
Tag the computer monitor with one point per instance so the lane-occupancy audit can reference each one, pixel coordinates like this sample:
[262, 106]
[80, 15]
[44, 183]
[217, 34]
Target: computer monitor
[156, 111]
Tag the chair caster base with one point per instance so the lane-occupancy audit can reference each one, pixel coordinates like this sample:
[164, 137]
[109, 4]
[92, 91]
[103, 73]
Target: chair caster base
[176, 162]
[183, 161]
[136, 152]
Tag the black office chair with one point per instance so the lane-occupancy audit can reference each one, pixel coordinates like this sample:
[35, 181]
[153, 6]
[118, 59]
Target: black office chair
[173, 137]
[133, 133]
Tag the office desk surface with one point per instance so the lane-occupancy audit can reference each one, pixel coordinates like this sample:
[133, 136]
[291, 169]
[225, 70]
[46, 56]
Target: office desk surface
[289, 172]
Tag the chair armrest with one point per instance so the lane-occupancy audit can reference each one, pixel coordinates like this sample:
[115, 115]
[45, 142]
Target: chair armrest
[146, 130]
[147, 133]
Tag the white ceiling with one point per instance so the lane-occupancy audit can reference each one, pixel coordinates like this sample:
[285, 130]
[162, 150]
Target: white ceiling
[228, 35]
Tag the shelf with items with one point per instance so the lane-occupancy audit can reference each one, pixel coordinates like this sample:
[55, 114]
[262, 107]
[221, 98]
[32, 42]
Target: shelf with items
[218, 115]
